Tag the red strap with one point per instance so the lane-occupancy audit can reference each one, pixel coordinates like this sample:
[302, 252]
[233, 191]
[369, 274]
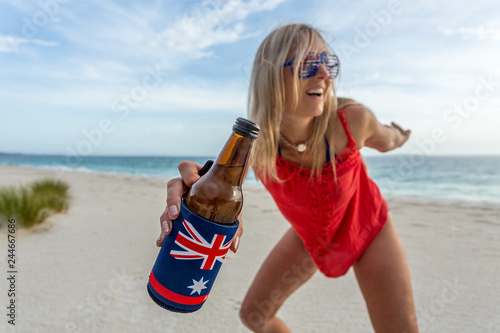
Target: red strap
[346, 127]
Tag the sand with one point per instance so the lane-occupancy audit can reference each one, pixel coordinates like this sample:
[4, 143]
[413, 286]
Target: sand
[87, 270]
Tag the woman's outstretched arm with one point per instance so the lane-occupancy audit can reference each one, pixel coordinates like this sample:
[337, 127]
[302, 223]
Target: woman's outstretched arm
[378, 136]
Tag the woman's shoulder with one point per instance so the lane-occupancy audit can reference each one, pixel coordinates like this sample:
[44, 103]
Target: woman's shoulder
[356, 112]
[357, 117]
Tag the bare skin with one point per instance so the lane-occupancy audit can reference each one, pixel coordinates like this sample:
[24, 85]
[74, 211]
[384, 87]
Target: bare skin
[287, 267]
[382, 274]
[384, 279]
[382, 270]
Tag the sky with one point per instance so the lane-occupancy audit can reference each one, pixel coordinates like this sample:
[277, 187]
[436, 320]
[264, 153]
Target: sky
[160, 78]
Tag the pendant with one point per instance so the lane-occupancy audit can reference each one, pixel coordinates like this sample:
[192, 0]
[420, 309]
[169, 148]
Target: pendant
[301, 148]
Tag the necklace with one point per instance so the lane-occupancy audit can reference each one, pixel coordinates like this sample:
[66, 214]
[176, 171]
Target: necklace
[301, 147]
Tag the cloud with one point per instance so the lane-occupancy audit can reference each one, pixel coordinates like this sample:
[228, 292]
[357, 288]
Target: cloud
[196, 96]
[98, 33]
[170, 97]
[44, 42]
[482, 32]
[11, 43]
[212, 23]
[162, 32]
[177, 128]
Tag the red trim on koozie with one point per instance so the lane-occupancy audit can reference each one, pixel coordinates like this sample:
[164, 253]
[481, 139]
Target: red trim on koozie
[174, 297]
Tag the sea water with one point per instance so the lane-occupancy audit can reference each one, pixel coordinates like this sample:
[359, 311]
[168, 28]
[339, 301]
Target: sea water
[474, 178]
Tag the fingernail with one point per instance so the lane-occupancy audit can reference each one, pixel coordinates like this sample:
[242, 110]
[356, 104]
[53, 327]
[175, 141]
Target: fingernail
[159, 238]
[165, 226]
[173, 210]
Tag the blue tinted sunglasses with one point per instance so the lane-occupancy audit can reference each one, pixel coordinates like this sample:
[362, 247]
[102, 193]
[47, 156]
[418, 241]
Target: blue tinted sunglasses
[309, 66]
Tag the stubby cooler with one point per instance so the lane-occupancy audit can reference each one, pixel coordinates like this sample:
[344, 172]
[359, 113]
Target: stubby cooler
[189, 261]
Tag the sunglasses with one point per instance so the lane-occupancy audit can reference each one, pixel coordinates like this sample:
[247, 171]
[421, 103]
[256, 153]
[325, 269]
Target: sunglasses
[309, 66]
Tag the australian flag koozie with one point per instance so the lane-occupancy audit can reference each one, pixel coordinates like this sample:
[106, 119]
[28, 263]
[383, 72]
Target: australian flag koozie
[188, 262]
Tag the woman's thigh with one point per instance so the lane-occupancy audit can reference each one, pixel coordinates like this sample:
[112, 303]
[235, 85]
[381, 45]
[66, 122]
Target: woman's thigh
[383, 276]
[286, 268]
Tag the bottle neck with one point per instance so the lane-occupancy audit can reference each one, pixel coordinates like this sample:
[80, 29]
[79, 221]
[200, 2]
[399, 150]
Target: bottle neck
[233, 158]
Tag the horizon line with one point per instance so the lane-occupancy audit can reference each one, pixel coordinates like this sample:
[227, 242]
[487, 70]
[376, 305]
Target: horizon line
[205, 156]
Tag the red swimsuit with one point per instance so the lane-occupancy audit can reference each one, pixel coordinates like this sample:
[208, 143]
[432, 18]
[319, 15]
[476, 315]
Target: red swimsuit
[336, 222]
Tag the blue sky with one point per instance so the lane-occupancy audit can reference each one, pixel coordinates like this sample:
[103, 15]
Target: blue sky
[170, 77]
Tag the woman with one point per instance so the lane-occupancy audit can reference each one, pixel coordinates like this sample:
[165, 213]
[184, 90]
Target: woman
[307, 156]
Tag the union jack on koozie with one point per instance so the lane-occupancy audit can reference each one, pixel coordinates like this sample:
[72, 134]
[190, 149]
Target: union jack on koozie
[196, 247]
[188, 262]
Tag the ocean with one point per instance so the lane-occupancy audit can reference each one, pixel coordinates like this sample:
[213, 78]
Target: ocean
[472, 178]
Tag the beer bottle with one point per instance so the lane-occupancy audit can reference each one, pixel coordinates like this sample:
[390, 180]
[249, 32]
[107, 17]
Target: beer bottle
[217, 196]
[192, 254]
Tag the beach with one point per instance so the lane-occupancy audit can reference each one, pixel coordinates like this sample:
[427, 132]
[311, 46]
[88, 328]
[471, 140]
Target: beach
[87, 270]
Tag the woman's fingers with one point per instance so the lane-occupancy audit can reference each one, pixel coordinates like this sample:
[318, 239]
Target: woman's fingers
[175, 190]
[166, 227]
[189, 172]
[405, 132]
[236, 240]
[397, 127]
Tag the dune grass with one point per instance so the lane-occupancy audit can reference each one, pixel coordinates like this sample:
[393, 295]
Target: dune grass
[32, 204]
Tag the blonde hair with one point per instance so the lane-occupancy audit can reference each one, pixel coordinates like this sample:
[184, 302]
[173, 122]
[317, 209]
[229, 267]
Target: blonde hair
[266, 98]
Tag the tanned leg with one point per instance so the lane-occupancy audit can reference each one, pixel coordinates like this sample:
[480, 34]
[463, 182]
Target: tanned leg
[383, 276]
[286, 268]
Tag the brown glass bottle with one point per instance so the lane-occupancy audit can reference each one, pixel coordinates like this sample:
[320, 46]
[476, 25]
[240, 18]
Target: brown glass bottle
[217, 195]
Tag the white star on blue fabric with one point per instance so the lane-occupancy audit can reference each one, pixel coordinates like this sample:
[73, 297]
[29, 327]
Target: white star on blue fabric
[198, 286]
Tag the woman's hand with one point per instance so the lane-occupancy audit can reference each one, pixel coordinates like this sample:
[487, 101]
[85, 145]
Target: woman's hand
[404, 134]
[175, 189]
[375, 135]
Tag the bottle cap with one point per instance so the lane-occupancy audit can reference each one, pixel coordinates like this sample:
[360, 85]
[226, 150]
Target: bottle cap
[247, 128]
